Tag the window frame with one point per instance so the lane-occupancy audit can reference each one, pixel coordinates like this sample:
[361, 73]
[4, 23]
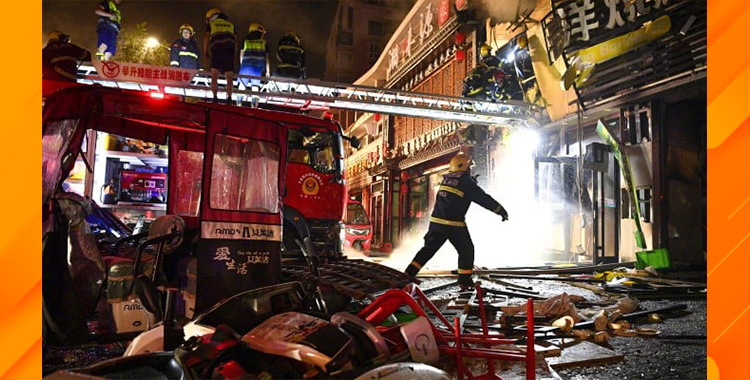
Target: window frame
[211, 172]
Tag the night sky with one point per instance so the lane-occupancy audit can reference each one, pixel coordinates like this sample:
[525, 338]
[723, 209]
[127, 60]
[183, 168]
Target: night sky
[311, 20]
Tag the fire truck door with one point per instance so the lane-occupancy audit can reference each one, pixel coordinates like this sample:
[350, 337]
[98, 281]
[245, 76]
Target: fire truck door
[240, 219]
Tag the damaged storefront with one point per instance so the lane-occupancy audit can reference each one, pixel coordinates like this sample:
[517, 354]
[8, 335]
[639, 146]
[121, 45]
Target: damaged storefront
[624, 156]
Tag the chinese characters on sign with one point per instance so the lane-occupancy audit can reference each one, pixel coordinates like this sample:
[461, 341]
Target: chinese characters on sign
[241, 259]
[581, 20]
[135, 72]
[148, 73]
[365, 160]
[418, 31]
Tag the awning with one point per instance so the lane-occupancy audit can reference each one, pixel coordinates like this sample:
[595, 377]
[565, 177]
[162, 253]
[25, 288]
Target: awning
[437, 149]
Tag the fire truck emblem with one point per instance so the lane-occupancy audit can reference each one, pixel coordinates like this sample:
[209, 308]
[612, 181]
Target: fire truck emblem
[310, 186]
[110, 69]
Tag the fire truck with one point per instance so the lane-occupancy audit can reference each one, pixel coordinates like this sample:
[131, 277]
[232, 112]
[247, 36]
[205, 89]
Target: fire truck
[257, 171]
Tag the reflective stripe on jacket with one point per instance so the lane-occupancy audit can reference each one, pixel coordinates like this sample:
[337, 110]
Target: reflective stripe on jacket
[454, 196]
[185, 54]
[255, 49]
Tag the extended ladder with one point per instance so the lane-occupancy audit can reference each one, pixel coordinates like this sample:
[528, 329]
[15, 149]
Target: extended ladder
[314, 94]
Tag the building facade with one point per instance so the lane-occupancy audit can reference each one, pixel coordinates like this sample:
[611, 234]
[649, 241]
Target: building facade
[358, 35]
[639, 67]
[396, 171]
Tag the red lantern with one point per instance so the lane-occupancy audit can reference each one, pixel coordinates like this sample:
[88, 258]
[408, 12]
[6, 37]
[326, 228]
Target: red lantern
[404, 176]
[460, 55]
[377, 117]
[460, 39]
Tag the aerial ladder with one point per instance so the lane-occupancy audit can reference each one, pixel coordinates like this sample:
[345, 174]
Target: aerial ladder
[319, 95]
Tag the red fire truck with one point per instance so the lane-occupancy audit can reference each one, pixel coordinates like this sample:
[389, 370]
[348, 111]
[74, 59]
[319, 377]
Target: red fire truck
[266, 169]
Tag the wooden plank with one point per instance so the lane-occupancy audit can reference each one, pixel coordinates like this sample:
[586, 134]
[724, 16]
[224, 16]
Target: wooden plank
[584, 354]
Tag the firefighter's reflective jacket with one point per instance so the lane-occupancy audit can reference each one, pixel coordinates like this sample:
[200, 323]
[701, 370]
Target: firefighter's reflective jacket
[222, 33]
[290, 53]
[255, 47]
[60, 60]
[184, 53]
[479, 83]
[454, 196]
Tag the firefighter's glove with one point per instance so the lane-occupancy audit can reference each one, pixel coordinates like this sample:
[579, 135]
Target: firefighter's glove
[504, 214]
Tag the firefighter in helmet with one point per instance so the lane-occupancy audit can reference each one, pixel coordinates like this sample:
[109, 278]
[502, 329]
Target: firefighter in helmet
[220, 47]
[60, 57]
[447, 222]
[184, 51]
[496, 82]
[254, 58]
[291, 57]
[479, 83]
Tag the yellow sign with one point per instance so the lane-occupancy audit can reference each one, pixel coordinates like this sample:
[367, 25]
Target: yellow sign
[585, 60]
[310, 186]
[627, 42]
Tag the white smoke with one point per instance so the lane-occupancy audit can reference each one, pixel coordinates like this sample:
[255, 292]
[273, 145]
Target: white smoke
[526, 239]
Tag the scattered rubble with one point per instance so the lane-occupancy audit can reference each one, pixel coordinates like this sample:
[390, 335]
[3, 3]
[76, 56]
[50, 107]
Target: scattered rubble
[574, 330]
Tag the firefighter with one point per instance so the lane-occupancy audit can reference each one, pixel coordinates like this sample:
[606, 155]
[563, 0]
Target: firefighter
[454, 196]
[254, 60]
[496, 75]
[107, 28]
[60, 58]
[291, 57]
[184, 52]
[479, 84]
[220, 46]
[513, 64]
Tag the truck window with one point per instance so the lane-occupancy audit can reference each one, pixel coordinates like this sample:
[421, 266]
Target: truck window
[189, 174]
[244, 175]
[318, 150]
[355, 214]
[55, 140]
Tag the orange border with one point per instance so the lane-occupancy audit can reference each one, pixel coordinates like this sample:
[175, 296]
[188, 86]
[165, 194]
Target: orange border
[20, 246]
[729, 189]
[729, 192]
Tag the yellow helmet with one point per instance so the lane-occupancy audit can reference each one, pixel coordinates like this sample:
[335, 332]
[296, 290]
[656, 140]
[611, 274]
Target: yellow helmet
[212, 11]
[293, 36]
[460, 163]
[57, 35]
[522, 42]
[256, 27]
[485, 50]
[188, 27]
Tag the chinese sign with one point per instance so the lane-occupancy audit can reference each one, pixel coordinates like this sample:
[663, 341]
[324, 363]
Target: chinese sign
[366, 159]
[613, 47]
[239, 261]
[434, 15]
[240, 231]
[617, 46]
[581, 23]
[228, 266]
[136, 72]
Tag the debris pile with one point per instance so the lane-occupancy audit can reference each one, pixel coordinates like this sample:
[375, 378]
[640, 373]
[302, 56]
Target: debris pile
[506, 327]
